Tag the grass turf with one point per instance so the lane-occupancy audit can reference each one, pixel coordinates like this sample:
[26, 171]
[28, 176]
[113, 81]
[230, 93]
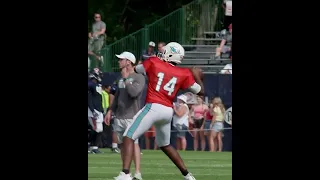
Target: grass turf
[156, 166]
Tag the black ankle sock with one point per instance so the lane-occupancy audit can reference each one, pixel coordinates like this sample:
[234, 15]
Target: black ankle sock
[184, 172]
[126, 171]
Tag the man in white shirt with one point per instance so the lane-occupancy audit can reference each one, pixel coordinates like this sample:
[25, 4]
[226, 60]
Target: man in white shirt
[227, 6]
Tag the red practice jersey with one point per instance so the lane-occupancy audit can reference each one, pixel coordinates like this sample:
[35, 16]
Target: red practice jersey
[165, 80]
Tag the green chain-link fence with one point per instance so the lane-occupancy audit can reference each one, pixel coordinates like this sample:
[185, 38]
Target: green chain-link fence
[180, 26]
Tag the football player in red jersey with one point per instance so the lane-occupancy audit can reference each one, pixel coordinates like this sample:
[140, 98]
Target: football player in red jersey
[164, 81]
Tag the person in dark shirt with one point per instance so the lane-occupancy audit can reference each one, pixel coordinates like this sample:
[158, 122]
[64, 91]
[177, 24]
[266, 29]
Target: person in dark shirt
[95, 110]
[149, 52]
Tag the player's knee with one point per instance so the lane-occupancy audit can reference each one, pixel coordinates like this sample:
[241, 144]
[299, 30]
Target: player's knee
[130, 137]
[163, 147]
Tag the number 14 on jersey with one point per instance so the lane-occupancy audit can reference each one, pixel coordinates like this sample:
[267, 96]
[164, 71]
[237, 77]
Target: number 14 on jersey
[169, 87]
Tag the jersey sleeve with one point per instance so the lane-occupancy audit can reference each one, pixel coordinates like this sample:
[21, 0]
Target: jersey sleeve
[144, 67]
[189, 81]
[147, 64]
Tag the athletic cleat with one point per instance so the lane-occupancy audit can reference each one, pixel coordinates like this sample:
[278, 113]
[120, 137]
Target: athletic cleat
[189, 177]
[115, 150]
[137, 176]
[123, 176]
[96, 151]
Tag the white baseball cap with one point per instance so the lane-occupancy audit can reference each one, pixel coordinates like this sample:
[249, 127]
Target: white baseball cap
[191, 98]
[182, 98]
[127, 55]
[151, 43]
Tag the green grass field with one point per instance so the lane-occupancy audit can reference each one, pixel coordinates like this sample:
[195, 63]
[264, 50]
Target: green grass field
[156, 166]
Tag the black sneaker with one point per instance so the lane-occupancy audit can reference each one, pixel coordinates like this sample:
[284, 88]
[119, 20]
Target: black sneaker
[96, 151]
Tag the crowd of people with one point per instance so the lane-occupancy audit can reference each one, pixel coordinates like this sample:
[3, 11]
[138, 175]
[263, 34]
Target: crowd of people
[200, 120]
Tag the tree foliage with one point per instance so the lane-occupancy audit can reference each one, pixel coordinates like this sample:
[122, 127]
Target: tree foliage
[123, 17]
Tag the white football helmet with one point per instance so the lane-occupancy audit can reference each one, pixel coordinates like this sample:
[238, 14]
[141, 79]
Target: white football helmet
[173, 52]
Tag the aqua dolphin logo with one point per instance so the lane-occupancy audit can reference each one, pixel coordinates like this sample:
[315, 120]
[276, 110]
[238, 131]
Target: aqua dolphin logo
[174, 50]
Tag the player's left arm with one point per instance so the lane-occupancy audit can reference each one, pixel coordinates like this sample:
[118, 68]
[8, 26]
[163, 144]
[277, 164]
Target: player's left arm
[135, 87]
[144, 67]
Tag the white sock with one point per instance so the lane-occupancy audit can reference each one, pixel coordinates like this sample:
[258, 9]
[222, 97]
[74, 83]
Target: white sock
[95, 147]
[114, 145]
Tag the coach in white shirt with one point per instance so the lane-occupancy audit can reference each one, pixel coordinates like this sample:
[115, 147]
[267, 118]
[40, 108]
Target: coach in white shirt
[180, 121]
